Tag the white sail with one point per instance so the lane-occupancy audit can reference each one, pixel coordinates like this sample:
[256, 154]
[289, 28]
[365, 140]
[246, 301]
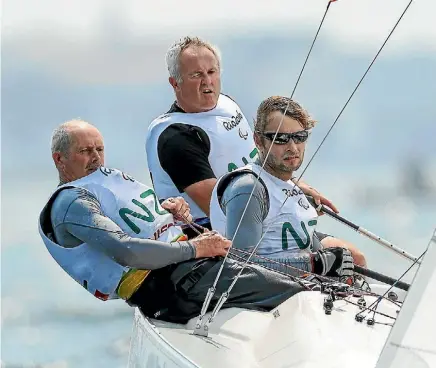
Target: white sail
[412, 341]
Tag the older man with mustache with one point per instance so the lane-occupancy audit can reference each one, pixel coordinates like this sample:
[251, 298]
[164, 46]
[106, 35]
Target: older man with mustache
[112, 236]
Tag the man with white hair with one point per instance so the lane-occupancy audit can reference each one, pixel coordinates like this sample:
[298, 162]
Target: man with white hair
[111, 235]
[204, 134]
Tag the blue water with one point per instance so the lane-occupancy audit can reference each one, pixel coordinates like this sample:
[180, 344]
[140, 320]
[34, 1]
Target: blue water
[47, 318]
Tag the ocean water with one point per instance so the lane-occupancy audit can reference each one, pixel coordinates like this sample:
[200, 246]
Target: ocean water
[49, 321]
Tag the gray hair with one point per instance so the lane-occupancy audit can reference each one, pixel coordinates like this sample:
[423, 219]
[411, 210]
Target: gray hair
[172, 57]
[61, 136]
[279, 103]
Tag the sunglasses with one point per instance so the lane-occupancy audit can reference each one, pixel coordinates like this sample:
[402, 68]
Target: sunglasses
[284, 138]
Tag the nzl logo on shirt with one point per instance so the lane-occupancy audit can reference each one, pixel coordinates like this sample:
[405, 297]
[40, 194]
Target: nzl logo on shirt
[234, 121]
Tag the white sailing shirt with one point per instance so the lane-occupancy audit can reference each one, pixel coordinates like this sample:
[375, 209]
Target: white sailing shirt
[132, 206]
[289, 224]
[231, 145]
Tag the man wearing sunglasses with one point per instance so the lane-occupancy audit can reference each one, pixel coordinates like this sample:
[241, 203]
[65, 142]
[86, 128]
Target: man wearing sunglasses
[278, 215]
[203, 135]
[109, 233]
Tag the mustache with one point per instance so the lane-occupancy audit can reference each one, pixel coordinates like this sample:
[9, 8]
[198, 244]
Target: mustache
[291, 155]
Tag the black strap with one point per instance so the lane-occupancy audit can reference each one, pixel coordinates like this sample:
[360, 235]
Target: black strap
[198, 271]
[224, 182]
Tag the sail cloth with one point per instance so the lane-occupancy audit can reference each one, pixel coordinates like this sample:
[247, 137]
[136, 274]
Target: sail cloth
[412, 341]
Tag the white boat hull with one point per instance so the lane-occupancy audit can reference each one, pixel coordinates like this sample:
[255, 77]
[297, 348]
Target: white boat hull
[297, 333]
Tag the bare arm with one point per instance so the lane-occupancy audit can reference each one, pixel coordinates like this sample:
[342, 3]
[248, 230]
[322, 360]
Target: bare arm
[358, 256]
[317, 196]
[201, 193]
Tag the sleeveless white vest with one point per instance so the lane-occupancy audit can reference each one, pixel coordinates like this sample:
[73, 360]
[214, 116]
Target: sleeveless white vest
[132, 206]
[231, 145]
[288, 228]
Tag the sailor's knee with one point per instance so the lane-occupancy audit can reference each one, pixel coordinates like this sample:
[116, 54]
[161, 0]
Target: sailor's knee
[359, 258]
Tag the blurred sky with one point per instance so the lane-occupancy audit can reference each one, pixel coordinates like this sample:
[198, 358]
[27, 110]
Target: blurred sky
[103, 60]
[355, 24]
[353, 21]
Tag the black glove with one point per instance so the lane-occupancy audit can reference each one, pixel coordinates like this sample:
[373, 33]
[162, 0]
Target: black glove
[336, 262]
